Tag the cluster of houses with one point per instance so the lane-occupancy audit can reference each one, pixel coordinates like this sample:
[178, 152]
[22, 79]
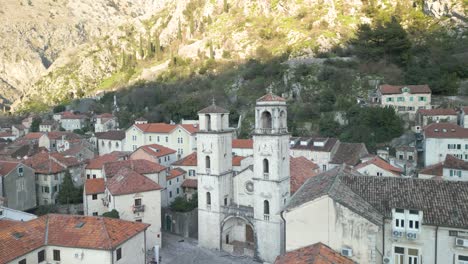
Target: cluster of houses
[277, 198]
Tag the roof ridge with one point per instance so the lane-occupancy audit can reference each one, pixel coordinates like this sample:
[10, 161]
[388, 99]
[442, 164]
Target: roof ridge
[46, 235]
[105, 231]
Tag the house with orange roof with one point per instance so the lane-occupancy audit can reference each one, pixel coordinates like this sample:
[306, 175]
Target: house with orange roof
[405, 98]
[17, 185]
[72, 239]
[135, 196]
[95, 166]
[180, 137]
[105, 122]
[155, 153]
[451, 169]
[58, 140]
[378, 167]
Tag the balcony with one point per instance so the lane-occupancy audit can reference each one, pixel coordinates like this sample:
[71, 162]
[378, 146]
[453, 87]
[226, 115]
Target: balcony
[271, 130]
[208, 171]
[138, 208]
[266, 175]
[266, 217]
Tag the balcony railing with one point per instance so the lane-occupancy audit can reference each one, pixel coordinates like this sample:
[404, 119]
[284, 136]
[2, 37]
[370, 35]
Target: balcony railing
[266, 217]
[266, 175]
[138, 208]
[238, 210]
[271, 130]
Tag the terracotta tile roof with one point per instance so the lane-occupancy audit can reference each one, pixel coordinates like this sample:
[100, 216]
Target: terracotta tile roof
[105, 115]
[140, 166]
[377, 161]
[190, 128]
[33, 135]
[242, 143]
[236, 160]
[156, 127]
[175, 173]
[43, 163]
[349, 153]
[213, 108]
[313, 144]
[19, 126]
[189, 160]
[73, 231]
[438, 111]
[6, 134]
[445, 130]
[436, 169]
[190, 183]
[111, 135]
[301, 169]
[157, 150]
[396, 89]
[70, 115]
[94, 186]
[443, 203]
[270, 97]
[98, 162]
[7, 166]
[314, 254]
[127, 181]
[452, 162]
[58, 135]
[67, 161]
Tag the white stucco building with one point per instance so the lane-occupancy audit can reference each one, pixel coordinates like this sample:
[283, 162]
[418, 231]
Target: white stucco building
[70, 121]
[73, 239]
[109, 141]
[318, 150]
[378, 167]
[178, 137]
[155, 153]
[451, 169]
[105, 122]
[425, 117]
[442, 139]
[391, 220]
[464, 116]
[405, 98]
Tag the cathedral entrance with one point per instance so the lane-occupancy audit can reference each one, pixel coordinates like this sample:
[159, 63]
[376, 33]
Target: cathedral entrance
[238, 237]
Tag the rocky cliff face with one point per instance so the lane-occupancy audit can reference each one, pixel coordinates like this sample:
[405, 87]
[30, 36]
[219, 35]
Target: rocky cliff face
[55, 50]
[454, 9]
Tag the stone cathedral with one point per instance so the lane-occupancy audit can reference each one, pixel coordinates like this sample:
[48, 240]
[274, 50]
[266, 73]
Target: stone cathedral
[239, 212]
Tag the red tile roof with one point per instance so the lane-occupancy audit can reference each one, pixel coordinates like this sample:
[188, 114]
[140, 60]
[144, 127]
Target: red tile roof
[377, 161]
[67, 161]
[242, 143]
[6, 134]
[190, 183]
[98, 162]
[236, 160]
[189, 160]
[7, 166]
[70, 115]
[318, 253]
[301, 169]
[127, 181]
[157, 150]
[438, 111]
[452, 162]
[445, 130]
[33, 135]
[94, 186]
[175, 173]
[111, 135]
[270, 97]
[396, 89]
[436, 169]
[140, 166]
[45, 164]
[156, 127]
[190, 128]
[58, 135]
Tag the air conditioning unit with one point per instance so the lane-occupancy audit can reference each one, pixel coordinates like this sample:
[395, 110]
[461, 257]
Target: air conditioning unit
[397, 233]
[460, 242]
[387, 260]
[411, 235]
[347, 252]
[79, 255]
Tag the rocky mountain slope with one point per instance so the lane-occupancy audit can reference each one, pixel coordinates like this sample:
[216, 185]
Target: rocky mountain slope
[57, 50]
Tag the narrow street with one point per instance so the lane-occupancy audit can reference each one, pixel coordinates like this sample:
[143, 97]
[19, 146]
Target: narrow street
[179, 250]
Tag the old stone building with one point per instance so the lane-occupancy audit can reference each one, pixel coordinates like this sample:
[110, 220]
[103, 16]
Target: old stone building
[241, 213]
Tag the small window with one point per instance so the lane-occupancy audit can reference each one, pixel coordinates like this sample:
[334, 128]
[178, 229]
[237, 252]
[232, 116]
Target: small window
[88, 176]
[398, 210]
[94, 176]
[207, 162]
[56, 255]
[415, 212]
[139, 220]
[225, 201]
[266, 207]
[208, 198]
[170, 194]
[20, 171]
[138, 202]
[119, 253]
[177, 190]
[95, 213]
[23, 261]
[41, 256]
[94, 196]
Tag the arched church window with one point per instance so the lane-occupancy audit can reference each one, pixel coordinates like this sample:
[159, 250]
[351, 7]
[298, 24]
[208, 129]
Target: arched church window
[208, 198]
[283, 119]
[207, 162]
[266, 166]
[266, 120]
[266, 207]
[208, 122]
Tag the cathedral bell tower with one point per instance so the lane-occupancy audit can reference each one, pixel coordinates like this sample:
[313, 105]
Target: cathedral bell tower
[214, 172]
[271, 174]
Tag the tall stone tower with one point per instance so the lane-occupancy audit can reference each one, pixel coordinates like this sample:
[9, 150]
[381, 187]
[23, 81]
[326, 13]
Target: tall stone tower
[214, 169]
[271, 174]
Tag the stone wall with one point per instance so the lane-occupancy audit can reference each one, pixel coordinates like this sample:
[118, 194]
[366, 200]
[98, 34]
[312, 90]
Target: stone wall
[184, 224]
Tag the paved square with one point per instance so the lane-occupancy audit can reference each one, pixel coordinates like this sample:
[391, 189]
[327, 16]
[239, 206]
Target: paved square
[179, 250]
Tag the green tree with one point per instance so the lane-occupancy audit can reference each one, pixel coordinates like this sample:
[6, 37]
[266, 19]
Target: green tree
[328, 126]
[59, 108]
[68, 193]
[182, 204]
[112, 214]
[157, 46]
[35, 124]
[140, 49]
[179, 31]
[149, 46]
